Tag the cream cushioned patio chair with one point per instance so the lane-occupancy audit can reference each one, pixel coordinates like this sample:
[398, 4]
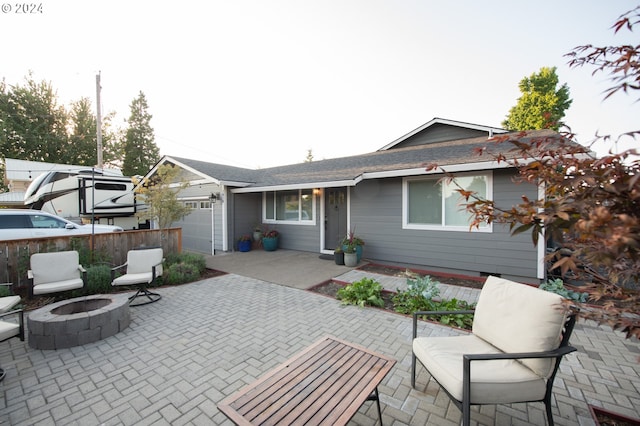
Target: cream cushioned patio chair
[55, 272]
[11, 328]
[8, 302]
[519, 336]
[142, 268]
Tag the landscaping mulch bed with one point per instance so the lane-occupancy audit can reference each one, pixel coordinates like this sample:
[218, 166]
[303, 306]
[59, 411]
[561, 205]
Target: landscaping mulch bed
[331, 288]
[451, 279]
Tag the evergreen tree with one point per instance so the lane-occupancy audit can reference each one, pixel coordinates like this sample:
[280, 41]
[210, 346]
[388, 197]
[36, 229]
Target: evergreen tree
[82, 147]
[541, 106]
[140, 151]
[34, 126]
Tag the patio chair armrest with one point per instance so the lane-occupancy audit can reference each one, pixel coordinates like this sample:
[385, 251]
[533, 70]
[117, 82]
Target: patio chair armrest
[20, 313]
[81, 268]
[30, 274]
[417, 314]
[114, 269]
[554, 353]
[153, 269]
[16, 311]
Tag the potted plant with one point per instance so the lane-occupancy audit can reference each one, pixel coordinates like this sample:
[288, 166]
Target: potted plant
[244, 243]
[350, 255]
[270, 239]
[338, 255]
[257, 233]
[352, 240]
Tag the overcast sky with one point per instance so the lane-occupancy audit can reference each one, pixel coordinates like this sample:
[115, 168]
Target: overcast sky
[256, 83]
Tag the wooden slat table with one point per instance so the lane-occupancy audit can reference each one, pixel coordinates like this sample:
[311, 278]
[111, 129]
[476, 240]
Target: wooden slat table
[325, 384]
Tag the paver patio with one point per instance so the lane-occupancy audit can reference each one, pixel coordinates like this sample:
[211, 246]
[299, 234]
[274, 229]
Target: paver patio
[205, 340]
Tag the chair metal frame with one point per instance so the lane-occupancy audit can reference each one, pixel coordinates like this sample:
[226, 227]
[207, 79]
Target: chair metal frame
[83, 276]
[20, 313]
[465, 405]
[142, 290]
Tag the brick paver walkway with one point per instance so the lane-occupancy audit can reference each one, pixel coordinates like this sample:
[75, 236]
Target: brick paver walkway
[203, 341]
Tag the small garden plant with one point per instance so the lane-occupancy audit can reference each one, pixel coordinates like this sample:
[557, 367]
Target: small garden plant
[418, 296]
[557, 286]
[422, 294]
[362, 293]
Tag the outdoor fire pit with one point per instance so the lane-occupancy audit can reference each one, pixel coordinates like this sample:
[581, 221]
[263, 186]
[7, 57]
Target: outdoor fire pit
[78, 321]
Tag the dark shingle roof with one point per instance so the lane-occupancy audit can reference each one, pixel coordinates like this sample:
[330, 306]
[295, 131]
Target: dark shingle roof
[458, 152]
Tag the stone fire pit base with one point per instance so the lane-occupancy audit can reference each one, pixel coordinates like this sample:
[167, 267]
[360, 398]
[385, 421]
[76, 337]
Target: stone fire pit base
[78, 321]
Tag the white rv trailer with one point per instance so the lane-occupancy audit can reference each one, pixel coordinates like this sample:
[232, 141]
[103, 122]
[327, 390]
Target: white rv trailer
[104, 196]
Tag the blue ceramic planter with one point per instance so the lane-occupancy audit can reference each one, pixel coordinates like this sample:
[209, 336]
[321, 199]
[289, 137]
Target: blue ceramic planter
[270, 243]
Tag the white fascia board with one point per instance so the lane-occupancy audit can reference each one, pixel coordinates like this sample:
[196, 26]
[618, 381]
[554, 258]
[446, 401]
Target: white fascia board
[310, 185]
[191, 169]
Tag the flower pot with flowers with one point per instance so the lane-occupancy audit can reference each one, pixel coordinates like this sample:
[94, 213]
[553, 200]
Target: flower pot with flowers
[350, 255]
[270, 240]
[352, 240]
[257, 233]
[244, 243]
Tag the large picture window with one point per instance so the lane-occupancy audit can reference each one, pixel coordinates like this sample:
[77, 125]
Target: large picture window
[431, 203]
[289, 206]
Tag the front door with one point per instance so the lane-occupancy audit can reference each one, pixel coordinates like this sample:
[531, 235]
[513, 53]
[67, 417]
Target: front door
[335, 217]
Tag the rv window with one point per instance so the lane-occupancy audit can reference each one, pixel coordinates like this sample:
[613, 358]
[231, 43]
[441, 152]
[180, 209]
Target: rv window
[111, 186]
[58, 176]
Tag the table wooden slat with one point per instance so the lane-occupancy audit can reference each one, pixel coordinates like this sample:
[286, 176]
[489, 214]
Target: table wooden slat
[324, 384]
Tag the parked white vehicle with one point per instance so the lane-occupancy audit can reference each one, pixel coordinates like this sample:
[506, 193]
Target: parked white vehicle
[102, 196]
[18, 224]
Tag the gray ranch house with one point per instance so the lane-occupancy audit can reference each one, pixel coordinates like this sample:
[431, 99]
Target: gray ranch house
[405, 214]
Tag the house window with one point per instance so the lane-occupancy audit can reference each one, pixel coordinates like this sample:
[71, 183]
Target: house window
[205, 204]
[191, 204]
[289, 206]
[431, 203]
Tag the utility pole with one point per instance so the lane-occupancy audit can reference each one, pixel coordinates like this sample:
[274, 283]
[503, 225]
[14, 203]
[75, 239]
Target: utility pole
[98, 121]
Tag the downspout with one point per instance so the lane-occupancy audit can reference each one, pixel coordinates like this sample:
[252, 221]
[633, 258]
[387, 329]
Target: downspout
[542, 246]
[225, 216]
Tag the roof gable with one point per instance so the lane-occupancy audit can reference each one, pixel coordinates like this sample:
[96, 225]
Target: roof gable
[442, 130]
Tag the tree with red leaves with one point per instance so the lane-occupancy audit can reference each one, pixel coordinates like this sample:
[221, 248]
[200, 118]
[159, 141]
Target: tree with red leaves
[592, 204]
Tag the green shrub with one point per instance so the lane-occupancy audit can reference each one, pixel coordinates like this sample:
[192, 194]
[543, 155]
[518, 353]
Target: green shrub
[195, 259]
[557, 286]
[364, 292]
[98, 281]
[180, 273]
[4, 291]
[86, 256]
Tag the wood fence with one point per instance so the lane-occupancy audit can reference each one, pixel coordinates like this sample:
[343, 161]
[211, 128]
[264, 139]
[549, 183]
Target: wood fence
[110, 248]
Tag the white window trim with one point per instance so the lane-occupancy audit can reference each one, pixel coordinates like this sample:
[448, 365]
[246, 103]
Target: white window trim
[429, 227]
[307, 222]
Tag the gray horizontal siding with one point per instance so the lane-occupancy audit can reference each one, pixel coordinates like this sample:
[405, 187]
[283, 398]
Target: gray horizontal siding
[439, 133]
[245, 214]
[196, 227]
[376, 213]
